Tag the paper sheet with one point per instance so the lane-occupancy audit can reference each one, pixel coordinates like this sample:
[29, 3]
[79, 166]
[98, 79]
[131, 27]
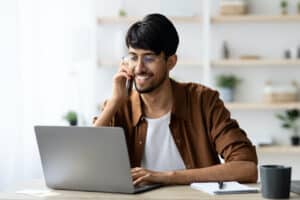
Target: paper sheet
[228, 188]
[37, 193]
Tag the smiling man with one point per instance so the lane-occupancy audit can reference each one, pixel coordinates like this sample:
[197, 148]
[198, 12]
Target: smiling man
[175, 131]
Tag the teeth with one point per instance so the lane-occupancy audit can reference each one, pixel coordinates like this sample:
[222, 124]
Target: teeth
[141, 77]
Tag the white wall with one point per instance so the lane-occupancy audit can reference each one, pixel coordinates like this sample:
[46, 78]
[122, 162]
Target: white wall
[9, 76]
[267, 39]
[47, 63]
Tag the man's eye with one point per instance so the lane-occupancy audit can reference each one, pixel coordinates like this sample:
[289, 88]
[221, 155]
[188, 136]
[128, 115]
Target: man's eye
[149, 58]
[133, 58]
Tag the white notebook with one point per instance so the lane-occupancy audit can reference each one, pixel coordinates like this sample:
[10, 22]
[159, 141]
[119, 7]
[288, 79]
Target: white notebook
[228, 188]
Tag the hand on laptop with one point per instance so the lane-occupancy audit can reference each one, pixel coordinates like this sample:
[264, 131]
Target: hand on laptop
[141, 176]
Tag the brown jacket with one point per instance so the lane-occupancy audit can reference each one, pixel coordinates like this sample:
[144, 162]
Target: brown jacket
[200, 124]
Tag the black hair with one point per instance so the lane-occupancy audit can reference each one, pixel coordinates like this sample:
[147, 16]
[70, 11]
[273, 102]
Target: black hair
[154, 32]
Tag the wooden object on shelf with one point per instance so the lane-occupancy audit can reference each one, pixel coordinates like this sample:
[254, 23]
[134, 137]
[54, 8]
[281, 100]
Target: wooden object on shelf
[249, 57]
[236, 7]
[255, 18]
[280, 97]
[279, 92]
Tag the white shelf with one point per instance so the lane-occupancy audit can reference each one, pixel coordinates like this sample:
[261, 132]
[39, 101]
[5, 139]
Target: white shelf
[278, 149]
[183, 63]
[215, 19]
[255, 18]
[230, 62]
[190, 63]
[254, 62]
[132, 19]
[262, 106]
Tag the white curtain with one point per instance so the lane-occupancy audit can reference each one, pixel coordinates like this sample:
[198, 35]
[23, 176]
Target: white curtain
[47, 68]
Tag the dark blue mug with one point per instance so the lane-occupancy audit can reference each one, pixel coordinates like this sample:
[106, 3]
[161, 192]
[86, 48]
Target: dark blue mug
[275, 181]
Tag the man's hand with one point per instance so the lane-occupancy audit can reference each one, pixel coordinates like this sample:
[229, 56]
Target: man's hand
[143, 176]
[119, 93]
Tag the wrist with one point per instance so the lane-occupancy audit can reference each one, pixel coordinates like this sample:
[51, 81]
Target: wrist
[170, 177]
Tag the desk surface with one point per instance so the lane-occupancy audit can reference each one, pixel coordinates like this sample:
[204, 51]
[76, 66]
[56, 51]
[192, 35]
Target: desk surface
[169, 193]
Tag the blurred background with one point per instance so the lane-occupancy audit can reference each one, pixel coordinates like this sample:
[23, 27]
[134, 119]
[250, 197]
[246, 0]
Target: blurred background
[58, 57]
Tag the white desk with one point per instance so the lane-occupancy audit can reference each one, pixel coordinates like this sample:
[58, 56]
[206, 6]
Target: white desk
[169, 193]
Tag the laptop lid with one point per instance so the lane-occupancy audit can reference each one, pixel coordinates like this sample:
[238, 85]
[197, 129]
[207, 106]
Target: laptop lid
[85, 158]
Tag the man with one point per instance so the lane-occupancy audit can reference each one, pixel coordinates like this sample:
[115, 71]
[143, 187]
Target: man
[174, 131]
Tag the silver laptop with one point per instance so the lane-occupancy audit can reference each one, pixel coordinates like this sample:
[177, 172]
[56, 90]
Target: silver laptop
[86, 158]
[295, 186]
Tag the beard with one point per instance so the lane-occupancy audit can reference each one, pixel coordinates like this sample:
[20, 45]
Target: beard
[153, 86]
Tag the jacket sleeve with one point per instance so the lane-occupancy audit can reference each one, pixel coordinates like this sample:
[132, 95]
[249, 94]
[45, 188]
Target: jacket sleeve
[116, 119]
[229, 140]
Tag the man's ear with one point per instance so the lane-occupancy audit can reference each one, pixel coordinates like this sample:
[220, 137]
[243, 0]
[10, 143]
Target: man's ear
[171, 62]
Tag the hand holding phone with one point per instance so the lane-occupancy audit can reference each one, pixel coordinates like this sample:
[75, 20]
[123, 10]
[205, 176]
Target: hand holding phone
[128, 86]
[129, 82]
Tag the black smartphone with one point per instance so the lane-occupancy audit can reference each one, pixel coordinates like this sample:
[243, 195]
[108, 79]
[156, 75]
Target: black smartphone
[128, 86]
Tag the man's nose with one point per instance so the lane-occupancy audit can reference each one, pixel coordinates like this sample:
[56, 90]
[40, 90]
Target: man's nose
[140, 66]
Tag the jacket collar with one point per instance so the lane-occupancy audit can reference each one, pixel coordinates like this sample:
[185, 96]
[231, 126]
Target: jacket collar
[179, 103]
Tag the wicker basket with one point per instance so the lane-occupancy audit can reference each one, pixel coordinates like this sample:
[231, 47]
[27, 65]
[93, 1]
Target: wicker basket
[233, 8]
[280, 93]
[280, 97]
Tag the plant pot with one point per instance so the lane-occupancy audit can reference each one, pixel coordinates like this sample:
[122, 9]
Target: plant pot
[226, 94]
[295, 140]
[73, 123]
[284, 11]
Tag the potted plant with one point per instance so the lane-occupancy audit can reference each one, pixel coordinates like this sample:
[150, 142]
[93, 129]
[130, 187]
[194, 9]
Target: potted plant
[71, 117]
[289, 121]
[227, 85]
[284, 7]
[122, 13]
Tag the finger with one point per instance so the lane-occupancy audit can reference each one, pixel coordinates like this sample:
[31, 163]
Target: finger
[136, 169]
[126, 68]
[121, 75]
[136, 175]
[141, 180]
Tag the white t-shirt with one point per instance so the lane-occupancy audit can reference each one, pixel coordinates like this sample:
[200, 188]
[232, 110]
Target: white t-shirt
[161, 153]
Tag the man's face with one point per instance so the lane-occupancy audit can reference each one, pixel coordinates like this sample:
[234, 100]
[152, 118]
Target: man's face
[150, 70]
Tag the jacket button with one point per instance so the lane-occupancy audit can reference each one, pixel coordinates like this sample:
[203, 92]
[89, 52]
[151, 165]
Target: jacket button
[140, 142]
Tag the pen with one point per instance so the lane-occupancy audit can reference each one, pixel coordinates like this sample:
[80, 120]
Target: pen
[220, 185]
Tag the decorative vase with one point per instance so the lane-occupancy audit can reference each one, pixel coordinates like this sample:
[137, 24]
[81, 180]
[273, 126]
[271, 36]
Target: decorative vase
[284, 11]
[73, 123]
[226, 94]
[295, 140]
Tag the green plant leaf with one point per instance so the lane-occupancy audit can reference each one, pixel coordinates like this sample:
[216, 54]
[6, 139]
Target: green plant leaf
[227, 81]
[71, 116]
[286, 125]
[293, 114]
[281, 117]
[283, 3]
